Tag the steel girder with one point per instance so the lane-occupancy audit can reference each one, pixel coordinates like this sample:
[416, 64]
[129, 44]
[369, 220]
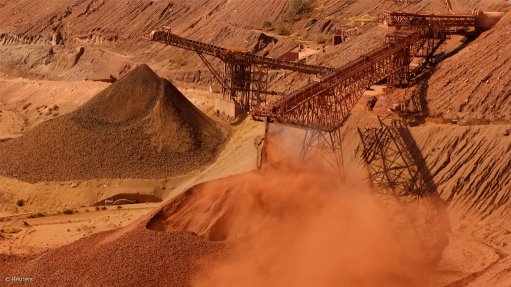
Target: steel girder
[449, 24]
[231, 56]
[245, 76]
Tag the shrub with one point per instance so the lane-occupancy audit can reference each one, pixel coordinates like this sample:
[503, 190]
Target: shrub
[298, 7]
[20, 202]
[68, 211]
[35, 215]
[178, 60]
[321, 38]
[283, 30]
[267, 24]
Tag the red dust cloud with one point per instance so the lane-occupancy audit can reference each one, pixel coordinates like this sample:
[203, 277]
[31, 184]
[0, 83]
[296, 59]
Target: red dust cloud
[290, 224]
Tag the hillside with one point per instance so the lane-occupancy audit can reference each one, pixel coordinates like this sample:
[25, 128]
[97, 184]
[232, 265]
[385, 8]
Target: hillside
[474, 84]
[107, 29]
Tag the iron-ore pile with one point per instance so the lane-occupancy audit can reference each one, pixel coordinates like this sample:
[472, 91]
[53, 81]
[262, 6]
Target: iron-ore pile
[140, 127]
[126, 257]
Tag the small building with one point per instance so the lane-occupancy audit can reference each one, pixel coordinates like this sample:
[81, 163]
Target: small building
[343, 34]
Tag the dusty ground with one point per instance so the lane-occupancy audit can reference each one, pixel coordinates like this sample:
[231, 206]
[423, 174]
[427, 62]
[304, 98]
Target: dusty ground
[468, 256]
[45, 202]
[25, 235]
[26, 103]
[49, 199]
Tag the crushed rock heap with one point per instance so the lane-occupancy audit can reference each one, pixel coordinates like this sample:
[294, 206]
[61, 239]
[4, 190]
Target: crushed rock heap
[139, 127]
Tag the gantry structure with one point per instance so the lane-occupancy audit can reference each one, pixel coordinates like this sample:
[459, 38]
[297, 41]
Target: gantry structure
[244, 79]
[325, 105]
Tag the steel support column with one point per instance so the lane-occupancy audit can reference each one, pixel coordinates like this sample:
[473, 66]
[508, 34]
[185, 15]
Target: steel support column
[328, 145]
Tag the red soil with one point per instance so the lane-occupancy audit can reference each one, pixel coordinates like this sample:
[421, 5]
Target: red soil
[134, 257]
[288, 225]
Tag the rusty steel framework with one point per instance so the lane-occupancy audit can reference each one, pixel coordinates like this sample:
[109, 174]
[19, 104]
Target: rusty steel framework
[245, 76]
[323, 107]
[395, 162]
[449, 24]
[326, 105]
[328, 143]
